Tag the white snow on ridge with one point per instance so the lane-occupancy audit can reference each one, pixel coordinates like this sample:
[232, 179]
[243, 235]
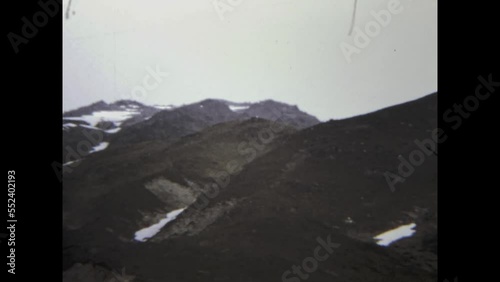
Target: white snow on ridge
[161, 107]
[386, 238]
[100, 147]
[238, 108]
[116, 117]
[144, 234]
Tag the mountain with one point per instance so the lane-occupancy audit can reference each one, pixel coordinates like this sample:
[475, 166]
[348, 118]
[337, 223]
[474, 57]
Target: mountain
[170, 125]
[94, 127]
[290, 115]
[253, 199]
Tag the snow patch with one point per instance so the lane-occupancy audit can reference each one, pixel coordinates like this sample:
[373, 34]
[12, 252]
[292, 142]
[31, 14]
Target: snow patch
[161, 107]
[349, 220]
[66, 125]
[238, 108]
[100, 147]
[90, 127]
[386, 238]
[113, 130]
[144, 234]
[70, 162]
[116, 117]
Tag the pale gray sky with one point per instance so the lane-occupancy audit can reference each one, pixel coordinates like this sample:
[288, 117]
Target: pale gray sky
[286, 50]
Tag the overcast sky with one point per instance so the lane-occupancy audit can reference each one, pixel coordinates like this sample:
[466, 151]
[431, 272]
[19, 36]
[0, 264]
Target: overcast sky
[285, 50]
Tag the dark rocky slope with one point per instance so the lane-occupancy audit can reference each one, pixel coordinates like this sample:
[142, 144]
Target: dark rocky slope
[326, 180]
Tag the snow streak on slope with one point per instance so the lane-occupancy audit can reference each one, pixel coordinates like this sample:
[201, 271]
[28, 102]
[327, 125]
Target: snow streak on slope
[144, 234]
[100, 147]
[113, 130]
[386, 238]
